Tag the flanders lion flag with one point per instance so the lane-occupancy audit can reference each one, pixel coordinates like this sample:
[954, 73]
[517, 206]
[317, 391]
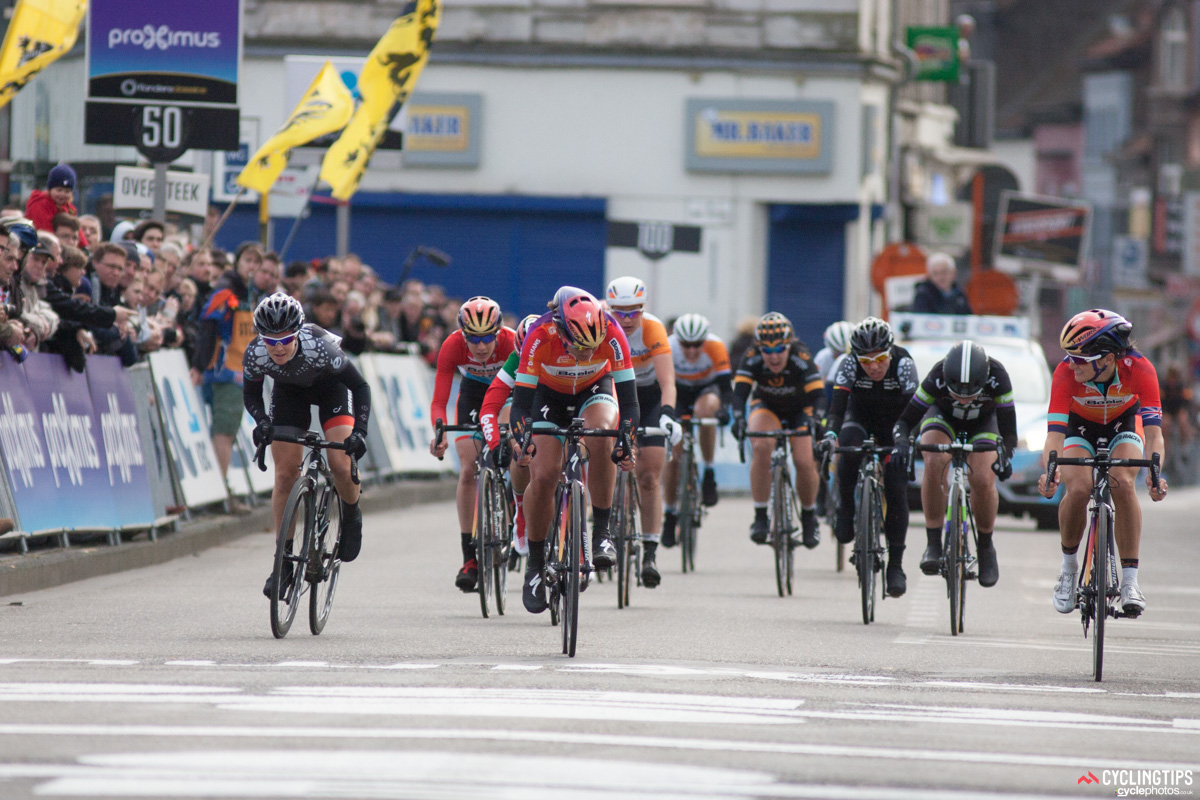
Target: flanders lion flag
[325, 108]
[39, 32]
[386, 81]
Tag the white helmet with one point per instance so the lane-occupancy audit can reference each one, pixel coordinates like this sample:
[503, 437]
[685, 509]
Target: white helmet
[627, 291]
[837, 336]
[691, 328]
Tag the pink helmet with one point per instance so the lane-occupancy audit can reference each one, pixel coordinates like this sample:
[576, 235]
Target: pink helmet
[523, 328]
[479, 316]
[581, 320]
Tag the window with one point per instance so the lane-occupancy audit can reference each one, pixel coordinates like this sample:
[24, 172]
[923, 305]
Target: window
[1173, 38]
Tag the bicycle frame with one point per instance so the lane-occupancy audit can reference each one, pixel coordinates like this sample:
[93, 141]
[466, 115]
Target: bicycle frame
[868, 523]
[782, 505]
[687, 493]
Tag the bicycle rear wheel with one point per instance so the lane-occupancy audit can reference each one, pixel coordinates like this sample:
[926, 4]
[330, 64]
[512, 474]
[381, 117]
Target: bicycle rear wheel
[483, 534]
[500, 544]
[687, 495]
[1100, 581]
[285, 598]
[574, 555]
[953, 555]
[323, 563]
[864, 551]
[554, 555]
[792, 515]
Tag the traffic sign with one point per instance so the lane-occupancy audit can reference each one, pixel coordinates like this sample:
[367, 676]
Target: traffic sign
[161, 132]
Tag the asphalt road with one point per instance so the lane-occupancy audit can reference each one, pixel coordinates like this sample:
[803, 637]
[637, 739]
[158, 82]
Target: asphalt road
[166, 681]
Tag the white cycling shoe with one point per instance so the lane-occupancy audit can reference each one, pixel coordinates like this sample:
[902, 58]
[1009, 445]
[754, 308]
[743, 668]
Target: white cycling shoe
[1064, 593]
[1132, 602]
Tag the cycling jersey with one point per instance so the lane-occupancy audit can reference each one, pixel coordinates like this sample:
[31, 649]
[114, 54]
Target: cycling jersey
[710, 366]
[875, 405]
[798, 385]
[1134, 386]
[455, 357]
[547, 362]
[317, 363]
[996, 400]
[494, 399]
[648, 340]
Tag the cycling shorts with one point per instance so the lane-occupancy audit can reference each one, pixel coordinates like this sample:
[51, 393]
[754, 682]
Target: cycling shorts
[972, 430]
[291, 406]
[557, 409]
[1090, 435]
[470, 401]
[794, 418]
[686, 397]
[650, 404]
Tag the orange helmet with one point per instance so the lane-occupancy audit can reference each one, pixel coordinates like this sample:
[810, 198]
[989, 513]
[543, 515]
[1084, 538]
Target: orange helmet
[479, 316]
[1095, 331]
[523, 328]
[773, 329]
[581, 320]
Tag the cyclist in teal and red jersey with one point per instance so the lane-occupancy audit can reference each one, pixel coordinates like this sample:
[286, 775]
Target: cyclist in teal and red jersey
[575, 362]
[495, 410]
[1104, 393]
[476, 352]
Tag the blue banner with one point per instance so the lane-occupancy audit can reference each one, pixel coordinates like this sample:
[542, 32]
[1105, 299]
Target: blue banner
[120, 439]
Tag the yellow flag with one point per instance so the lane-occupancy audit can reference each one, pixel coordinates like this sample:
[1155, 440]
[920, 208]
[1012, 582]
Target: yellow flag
[39, 32]
[386, 81]
[325, 108]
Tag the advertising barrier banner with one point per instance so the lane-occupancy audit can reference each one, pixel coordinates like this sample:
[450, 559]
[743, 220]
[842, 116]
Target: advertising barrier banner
[154, 441]
[187, 430]
[400, 396]
[120, 439]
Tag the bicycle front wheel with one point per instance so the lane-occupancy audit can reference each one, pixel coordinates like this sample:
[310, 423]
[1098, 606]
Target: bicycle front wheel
[323, 563]
[574, 555]
[484, 521]
[621, 523]
[1100, 585]
[288, 572]
[779, 532]
[688, 493]
[864, 551]
[953, 555]
[500, 544]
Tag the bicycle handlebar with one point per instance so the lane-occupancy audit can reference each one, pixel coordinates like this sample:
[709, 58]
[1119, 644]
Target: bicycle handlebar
[576, 431]
[866, 448]
[965, 447]
[778, 436]
[1102, 461]
[310, 439]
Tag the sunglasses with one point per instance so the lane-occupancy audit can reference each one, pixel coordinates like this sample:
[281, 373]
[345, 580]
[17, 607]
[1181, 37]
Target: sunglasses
[269, 342]
[779, 348]
[691, 345]
[488, 339]
[964, 398]
[878, 358]
[1081, 360]
[637, 312]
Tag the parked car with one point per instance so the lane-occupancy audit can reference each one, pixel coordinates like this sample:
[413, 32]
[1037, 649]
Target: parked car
[1007, 339]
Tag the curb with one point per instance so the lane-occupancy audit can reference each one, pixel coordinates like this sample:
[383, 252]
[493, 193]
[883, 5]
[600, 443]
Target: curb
[35, 571]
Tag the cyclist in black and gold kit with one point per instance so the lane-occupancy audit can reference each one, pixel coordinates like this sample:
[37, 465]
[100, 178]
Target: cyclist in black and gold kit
[785, 390]
[309, 368]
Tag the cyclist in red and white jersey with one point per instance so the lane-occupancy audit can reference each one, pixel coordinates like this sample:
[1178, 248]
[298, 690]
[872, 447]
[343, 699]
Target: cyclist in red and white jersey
[1104, 393]
[476, 352]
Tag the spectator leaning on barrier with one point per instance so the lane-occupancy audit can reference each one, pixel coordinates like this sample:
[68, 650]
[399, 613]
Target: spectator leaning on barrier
[41, 322]
[50, 242]
[58, 196]
[108, 261]
[226, 328]
[940, 293]
[12, 331]
[77, 319]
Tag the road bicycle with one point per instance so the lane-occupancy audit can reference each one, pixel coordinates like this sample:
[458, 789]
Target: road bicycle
[783, 507]
[691, 510]
[314, 568]
[827, 473]
[867, 556]
[494, 511]
[958, 565]
[568, 566]
[1098, 581]
[626, 526]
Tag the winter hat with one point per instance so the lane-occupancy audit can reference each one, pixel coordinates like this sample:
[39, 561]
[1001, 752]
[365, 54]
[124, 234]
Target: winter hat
[61, 175]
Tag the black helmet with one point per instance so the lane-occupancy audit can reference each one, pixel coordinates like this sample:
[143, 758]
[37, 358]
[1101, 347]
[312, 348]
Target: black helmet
[965, 369]
[278, 313]
[872, 335]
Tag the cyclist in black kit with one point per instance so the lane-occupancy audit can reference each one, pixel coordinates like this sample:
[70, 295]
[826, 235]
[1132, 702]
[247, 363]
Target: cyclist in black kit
[966, 394]
[870, 392]
[309, 368]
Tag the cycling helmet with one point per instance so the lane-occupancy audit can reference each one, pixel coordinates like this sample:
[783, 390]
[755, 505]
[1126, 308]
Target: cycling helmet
[628, 291]
[278, 313]
[872, 335]
[1094, 332]
[837, 336]
[773, 329]
[26, 234]
[479, 316]
[965, 369]
[564, 293]
[523, 328]
[691, 329]
[581, 320]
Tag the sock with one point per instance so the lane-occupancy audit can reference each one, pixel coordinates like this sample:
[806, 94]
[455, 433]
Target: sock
[537, 554]
[653, 538]
[600, 519]
[1129, 576]
[895, 554]
[933, 537]
[985, 539]
[762, 505]
[760, 512]
[708, 465]
[668, 509]
[468, 547]
[520, 498]
[1070, 563]
[808, 509]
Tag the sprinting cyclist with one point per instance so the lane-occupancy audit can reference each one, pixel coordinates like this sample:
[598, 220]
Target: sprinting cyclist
[837, 346]
[309, 369]
[966, 394]
[574, 363]
[869, 394]
[476, 351]
[703, 389]
[1103, 392]
[654, 373]
[495, 410]
[785, 391]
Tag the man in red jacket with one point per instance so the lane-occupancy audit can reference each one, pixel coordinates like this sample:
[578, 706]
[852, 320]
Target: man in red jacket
[58, 196]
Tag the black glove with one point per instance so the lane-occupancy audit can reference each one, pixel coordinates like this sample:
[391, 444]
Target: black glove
[356, 445]
[1002, 466]
[902, 445]
[828, 441]
[739, 426]
[264, 433]
[722, 416]
[502, 453]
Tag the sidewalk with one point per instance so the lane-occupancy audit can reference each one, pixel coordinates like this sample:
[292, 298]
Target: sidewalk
[45, 569]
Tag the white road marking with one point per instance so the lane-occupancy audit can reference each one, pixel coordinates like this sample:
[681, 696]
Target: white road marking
[1111, 645]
